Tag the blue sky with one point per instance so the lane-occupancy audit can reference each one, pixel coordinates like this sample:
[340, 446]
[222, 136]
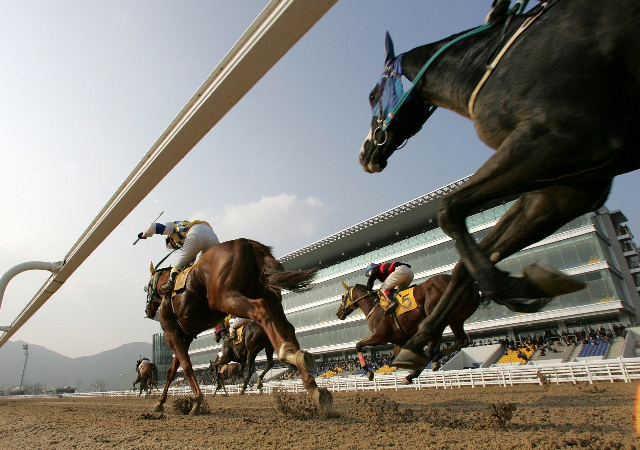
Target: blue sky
[87, 88]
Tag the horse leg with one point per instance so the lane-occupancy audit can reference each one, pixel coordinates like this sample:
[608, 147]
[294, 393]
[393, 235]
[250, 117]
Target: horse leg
[553, 200]
[546, 209]
[247, 370]
[370, 340]
[270, 316]
[179, 343]
[269, 354]
[171, 375]
[462, 340]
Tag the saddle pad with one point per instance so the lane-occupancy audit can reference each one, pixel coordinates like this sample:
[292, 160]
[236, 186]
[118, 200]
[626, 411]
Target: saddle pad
[406, 301]
[239, 335]
[181, 280]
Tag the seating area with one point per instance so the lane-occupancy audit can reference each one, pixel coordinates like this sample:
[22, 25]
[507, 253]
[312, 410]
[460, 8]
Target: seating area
[594, 348]
[520, 355]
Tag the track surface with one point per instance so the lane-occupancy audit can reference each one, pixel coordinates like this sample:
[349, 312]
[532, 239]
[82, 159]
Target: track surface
[598, 416]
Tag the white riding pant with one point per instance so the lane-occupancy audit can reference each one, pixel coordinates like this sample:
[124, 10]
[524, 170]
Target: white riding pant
[400, 278]
[199, 239]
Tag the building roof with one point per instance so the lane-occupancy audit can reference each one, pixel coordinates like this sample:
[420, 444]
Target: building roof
[403, 221]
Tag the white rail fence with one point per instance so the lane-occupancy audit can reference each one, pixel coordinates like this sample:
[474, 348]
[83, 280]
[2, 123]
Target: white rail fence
[613, 370]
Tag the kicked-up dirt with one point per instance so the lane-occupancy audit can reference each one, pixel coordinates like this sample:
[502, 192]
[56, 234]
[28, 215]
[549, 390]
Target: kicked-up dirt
[599, 416]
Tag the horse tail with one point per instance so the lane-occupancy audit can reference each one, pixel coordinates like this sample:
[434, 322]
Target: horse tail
[292, 280]
[273, 273]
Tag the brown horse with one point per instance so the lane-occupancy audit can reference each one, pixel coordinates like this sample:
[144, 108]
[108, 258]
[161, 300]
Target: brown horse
[147, 376]
[254, 340]
[239, 277]
[231, 372]
[561, 117]
[397, 330]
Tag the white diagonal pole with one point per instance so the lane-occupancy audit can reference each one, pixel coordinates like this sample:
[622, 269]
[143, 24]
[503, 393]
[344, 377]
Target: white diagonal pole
[278, 28]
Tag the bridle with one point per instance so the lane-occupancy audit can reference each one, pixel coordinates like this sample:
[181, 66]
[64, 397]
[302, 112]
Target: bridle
[349, 304]
[152, 287]
[390, 74]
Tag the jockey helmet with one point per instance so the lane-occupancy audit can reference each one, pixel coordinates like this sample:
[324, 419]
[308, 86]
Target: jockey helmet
[369, 268]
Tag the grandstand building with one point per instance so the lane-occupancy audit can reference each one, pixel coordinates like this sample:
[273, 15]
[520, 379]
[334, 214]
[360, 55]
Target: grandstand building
[597, 248]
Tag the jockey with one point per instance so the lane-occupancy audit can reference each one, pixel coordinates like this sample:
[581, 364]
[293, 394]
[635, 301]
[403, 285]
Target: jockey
[192, 237]
[233, 323]
[394, 275]
[143, 360]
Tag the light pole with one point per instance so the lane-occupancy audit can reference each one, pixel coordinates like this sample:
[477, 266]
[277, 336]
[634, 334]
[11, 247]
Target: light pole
[25, 347]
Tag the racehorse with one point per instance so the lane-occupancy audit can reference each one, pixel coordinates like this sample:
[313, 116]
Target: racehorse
[397, 330]
[226, 372]
[147, 376]
[254, 340]
[239, 277]
[556, 91]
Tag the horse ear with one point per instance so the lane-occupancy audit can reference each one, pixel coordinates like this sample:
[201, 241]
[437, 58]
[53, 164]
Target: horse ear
[152, 269]
[344, 285]
[389, 54]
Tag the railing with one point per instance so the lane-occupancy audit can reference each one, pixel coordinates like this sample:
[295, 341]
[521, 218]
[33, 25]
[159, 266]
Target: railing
[611, 370]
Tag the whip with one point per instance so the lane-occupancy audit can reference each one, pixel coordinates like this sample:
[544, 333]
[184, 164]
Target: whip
[152, 222]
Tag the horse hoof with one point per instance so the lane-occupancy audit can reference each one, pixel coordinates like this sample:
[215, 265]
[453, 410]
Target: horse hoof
[406, 381]
[551, 281]
[241, 392]
[259, 384]
[305, 360]
[158, 408]
[322, 398]
[409, 360]
[370, 375]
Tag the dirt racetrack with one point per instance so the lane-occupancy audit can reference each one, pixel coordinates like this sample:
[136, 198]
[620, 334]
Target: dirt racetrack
[598, 416]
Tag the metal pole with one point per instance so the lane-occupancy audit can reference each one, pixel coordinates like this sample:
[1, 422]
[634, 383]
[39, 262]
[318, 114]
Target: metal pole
[25, 347]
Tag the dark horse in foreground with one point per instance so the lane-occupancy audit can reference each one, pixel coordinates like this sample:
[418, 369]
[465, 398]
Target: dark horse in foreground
[384, 328]
[561, 107]
[147, 376]
[254, 340]
[239, 277]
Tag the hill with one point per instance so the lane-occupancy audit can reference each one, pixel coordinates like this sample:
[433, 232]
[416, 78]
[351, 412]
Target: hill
[113, 369]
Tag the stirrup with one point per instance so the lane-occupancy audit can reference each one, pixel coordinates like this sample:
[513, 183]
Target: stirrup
[393, 304]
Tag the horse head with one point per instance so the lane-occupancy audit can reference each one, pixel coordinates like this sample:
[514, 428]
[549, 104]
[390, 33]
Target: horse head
[396, 116]
[221, 333]
[347, 303]
[153, 299]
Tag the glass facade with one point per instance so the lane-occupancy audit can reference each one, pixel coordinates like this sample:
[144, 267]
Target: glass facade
[581, 247]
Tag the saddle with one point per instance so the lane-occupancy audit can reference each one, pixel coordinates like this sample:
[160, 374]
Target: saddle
[406, 301]
[181, 280]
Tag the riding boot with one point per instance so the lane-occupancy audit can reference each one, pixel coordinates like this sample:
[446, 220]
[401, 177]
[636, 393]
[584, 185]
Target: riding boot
[233, 334]
[167, 287]
[393, 302]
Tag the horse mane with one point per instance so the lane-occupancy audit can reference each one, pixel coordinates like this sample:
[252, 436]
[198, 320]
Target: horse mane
[274, 275]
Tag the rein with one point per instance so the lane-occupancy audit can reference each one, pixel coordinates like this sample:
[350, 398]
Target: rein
[496, 60]
[394, 111]
[517, 10]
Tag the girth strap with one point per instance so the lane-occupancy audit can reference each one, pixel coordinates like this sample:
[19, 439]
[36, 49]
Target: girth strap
[173, 308]
[395, 321]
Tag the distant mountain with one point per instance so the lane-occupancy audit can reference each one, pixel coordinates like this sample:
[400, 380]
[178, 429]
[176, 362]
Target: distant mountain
[115, 368]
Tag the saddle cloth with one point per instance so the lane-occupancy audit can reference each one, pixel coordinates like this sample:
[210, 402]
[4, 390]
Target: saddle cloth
[181, 280]
[406, 301]
[239, 335]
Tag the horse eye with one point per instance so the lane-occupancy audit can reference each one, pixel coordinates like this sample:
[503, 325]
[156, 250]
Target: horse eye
[373, 97]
